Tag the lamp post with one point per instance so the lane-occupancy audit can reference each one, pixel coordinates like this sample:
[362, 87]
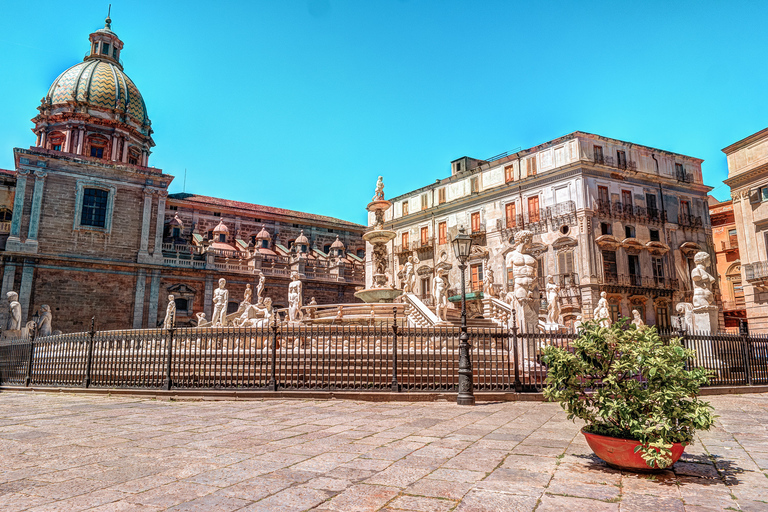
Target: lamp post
[461, 246]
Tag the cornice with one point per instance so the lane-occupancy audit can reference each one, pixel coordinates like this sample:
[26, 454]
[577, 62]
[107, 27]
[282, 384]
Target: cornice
[744, 178]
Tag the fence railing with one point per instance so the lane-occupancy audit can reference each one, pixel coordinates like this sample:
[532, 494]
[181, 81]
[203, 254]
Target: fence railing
[321, 357]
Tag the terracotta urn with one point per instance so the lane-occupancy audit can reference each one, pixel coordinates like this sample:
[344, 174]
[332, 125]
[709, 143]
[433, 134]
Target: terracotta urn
[620, 453]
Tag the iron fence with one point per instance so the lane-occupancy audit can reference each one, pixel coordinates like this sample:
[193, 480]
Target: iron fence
[327, 357]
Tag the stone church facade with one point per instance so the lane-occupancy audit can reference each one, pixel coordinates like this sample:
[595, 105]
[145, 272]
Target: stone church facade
[93, 232]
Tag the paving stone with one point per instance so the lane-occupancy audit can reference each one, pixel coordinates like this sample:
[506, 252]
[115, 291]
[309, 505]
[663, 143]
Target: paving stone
[293, 499]
[421, 504]
[489, 501]
[439, 489]
[515, 481]
[363, 498]
[644, 502]
[553, 503]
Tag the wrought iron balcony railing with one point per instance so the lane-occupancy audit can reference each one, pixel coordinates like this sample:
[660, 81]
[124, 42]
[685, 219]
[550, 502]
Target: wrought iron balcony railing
[619, 210]
[658, 282]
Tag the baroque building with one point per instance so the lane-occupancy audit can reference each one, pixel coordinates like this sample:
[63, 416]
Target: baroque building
[607, 216]
[726, 243]
[90, 229]
[748, 180]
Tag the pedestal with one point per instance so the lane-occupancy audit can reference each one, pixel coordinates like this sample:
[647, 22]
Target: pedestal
[705, 319]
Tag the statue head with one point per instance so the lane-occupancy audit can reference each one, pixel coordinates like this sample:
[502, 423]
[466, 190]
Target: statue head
[222, 282]
[12, 296]
[602, 295]
[523, 237]
[170, 298]
[248, 286]
[45, 308]
[701, 258]
[268, 303]
[636, 314]
[294, 276]
[550, 279]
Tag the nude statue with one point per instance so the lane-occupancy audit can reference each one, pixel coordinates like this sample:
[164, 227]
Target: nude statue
[523, 266]
[702, 281]
[248, 294]
[637, 321]
[488, 282]
[602, 312]
[44, 322]
[260, 288]
[577, 324]
[14, 319]
[440, 295]
[312, 308]
[553, 301]
[379, 193]
[220, 301]
[409, 276]
[295, 298]
[170, 314]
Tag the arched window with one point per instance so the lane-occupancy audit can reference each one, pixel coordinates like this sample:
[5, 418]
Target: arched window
[133, 156]
[327, 248]
[97, 145]
[6, 214]
[56, 141]
[181, 304]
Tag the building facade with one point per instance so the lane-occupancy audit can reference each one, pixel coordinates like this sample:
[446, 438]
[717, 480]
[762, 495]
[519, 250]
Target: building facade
[726, 243]
[607, 215]
[95, 233]
[748, 180]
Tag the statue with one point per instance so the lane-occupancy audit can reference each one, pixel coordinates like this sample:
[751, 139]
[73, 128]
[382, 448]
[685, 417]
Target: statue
[256, 315]
[44, 322]
[260, 288]
[312, 308]
[14, 319]
[409, 275]
[220, 302]
[170, 314]
[339, 314]
[577, 325]
[636, 320]
[705, 312]
[440, 296]
[602, 312]
[294, 298]
[488, 288]
[201, 321]
[379, 193]
[247, 294]
[523, 266]
[685, 314]
[553, 301]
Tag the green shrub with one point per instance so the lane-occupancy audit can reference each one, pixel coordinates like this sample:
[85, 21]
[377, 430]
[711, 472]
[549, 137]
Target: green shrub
[625, 382]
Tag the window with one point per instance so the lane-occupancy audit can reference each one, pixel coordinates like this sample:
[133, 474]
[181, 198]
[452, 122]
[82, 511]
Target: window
[97, 151]
[602, 195]
[327, 248]
[679, 171]
[424, 204]
[6, 214]
[605, 228]
[222, 238]
[662, 317]
[629, 231]
[458, 166]
[405, 208]
[765, 238]
[96, 47]
[685, 210]
[533, 209]
[441, 195]
[133, 156]
[476, 276]
[614, 309]
[176, 233]
[218, 214]
[634, 269]
[764, 194]
[609, 264]
[509, 210]
[475, 218]
[530, 166]
[442, 230]
[105, 48]
[94, 209]
[425, 288]
[509, 174]
[405, 240]
[733, 240]
[56, 147]
[361, 253]
[473, 187]
[621, 159]
[565, 262]
[654, 235]
[626, 198]
[650, 202]
[598, 154]
[114, 53]
[424, 235]
[181, 304]
[658, 270]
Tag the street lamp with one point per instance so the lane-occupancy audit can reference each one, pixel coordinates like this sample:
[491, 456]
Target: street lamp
[461, 246]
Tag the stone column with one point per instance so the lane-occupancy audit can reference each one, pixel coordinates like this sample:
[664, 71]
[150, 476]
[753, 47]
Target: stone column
[68, 140]
[145, 220]
[138, 301]
[81, 141]
[159, 226]
[14, 240]
[43, 138]
[115, 140]
[34, 218]
[25, 289]
[9, 277]
[124, 158]
[154, 294]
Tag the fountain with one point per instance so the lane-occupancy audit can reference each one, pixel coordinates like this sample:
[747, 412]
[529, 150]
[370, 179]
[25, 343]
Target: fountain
[381, 290]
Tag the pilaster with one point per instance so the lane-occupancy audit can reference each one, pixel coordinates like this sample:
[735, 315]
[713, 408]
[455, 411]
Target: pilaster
[25, 289]
[159, 226]
[143, 256]
[208, 296]
[34, 219]
[154, 294]
[14, 240]
[138, 301]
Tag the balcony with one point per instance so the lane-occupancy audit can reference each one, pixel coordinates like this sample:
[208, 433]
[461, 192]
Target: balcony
[619, 210]
[540, 220]
[757, 273]
[688, 221]
[734, 305]
[637, 281]
[731, 245]
[478, 234]
[609, 161]
[685, 177]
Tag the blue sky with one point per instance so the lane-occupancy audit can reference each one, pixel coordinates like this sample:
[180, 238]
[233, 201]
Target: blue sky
[302, 104]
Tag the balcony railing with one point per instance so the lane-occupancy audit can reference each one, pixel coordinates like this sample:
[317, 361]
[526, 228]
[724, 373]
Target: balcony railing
[688, 220]
[734, 305]
[730, 245]
[618, 164]
[757, 271]
[619, 210]
[685, 177]
[664, 283]
[5, 227]
[538, 220]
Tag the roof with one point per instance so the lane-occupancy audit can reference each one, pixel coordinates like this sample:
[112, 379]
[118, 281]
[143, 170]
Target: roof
[7, 172]
[745, 141]
[261, 209]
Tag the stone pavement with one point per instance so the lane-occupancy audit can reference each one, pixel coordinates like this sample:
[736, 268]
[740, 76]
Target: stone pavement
[89, 452]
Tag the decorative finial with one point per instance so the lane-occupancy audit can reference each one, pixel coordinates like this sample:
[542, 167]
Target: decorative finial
[108, 21]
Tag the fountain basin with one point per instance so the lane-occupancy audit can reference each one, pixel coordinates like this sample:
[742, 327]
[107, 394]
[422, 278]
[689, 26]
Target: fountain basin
[370, 295]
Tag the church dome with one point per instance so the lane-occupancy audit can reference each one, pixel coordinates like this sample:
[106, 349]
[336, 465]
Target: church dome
[101, 84]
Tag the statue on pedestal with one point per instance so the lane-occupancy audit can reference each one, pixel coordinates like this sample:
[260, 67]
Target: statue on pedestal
[637, 321]
[378, 195]
[440, 295]
[553, 301]
[523, 266]
[14, 310]
[247, 295]
[220, 301]
[260, 288]
[409, 275]
[170, 313]
[295, 298]
[488, 282]
[602, 313]
[704, 309]
[44, 322]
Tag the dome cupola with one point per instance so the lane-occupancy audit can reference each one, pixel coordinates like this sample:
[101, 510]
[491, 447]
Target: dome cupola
[93, 109]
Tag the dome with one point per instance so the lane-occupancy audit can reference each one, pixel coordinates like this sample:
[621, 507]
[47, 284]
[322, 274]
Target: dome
[302, 240]
[337, 244]
[220, 228]
[101, 84]
[263, 234]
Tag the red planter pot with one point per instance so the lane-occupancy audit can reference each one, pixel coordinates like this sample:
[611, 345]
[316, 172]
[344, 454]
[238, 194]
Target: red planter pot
[620, 453]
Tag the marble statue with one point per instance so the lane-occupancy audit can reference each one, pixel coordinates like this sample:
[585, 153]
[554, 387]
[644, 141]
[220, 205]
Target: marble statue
[170, 314]
[380, 260]
[523, 266]
[248, 294]
[636, 320]
[312, 308]
[685, 313]
[577, 325]
[201, 321]
[14, 318]
[340, 314]
[260, 288]
[220, 302]
[295, 298]
[602, 311]
[553, 301]
[44, 322]
[379, 193]
[256, 315]
[409, 276]
[488, 282]
[705, 313]
[440, 295]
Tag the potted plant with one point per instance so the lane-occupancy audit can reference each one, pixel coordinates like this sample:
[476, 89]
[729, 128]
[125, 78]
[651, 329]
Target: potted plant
[638, 400]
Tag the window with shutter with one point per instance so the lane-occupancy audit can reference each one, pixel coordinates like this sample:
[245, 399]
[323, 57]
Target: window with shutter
[442, 230]
[424, 235]
[533, 209]
[565, 262]
[509, 210]
[509, 174]
[475, 222]
[441, 195]
[405, 240]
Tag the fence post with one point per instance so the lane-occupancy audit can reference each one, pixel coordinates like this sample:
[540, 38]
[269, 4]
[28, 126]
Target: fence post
[89, 355]
[169, 359]
[28, 380]
[518, 384]
[746, 346]
[395, 384]
[273, 378]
